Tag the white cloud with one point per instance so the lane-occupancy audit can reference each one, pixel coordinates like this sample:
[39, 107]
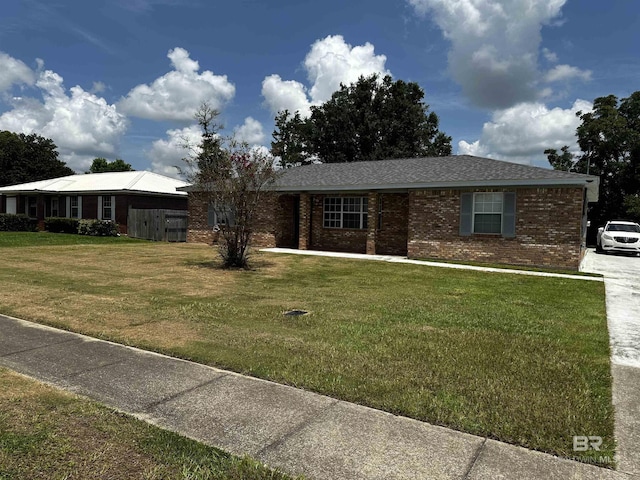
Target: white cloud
[285, 94]
[495, 45]
[178, 94]
[81, 124]
[14, 72]
[166, 154]
[330, 61]
[566, 72]
[549, 55]
[98, 87]
[522, 133]
[250, 131]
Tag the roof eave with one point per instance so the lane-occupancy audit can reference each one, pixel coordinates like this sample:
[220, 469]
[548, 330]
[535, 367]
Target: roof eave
[589, 182]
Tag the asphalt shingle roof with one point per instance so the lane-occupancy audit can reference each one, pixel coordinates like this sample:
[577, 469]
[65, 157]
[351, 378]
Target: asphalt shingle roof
[454, 171]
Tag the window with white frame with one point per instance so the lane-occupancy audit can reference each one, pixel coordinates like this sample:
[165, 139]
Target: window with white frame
[107, 208]
[487, 212]
[345, 212]
[74, 209]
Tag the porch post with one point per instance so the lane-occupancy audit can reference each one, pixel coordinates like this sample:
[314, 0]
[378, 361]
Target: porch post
[304, 223]
[372, 222]
[41, 211]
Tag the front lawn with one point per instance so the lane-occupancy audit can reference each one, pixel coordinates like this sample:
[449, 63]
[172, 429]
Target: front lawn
[516, 358]
[30, 239]
[47, 433]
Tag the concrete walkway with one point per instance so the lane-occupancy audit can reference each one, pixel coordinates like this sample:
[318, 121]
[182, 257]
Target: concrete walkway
[622, 285]
[456, 266]
[288, 428]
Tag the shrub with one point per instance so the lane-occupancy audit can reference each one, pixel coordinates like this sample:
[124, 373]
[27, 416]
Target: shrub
[61, 225]
[17, 223]
[98, 228]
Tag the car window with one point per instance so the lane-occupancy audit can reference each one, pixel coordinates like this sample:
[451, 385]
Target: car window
[620, 227]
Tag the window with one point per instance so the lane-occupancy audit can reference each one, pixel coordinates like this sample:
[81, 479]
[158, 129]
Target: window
[491, 213]
[32, 207]
[345, 212]
[75, 207]
[55, 207]
[487, 213]
[220, 216]
[107, 208]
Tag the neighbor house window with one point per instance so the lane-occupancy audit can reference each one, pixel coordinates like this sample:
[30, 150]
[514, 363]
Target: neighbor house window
[223, 216]
[32, 207]
[106, 204]
[55, 207]
[487, 212]
[74, 207]
[345, 212]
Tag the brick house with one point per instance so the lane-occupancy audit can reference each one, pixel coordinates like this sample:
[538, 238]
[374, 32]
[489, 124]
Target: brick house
[105, 196]
[453, 208]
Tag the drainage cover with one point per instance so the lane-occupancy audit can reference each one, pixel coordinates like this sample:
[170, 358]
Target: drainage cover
[295, 313]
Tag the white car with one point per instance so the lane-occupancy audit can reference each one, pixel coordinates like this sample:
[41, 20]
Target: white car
[619, 236]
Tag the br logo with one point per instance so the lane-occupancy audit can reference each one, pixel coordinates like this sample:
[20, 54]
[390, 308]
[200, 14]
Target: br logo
[582, 443]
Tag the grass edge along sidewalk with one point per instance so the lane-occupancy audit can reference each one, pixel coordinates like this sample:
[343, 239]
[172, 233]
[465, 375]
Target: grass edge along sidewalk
[519, 359]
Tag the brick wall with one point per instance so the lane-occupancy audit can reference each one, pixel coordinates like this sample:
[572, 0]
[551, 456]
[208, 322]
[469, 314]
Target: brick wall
[334, 239]
[392, 214]
[269, 221]
[548, 229]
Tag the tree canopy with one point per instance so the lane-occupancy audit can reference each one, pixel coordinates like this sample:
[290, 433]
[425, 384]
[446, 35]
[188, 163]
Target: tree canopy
[101, 165]
[372, 119]
[609, 138]
[28, 158]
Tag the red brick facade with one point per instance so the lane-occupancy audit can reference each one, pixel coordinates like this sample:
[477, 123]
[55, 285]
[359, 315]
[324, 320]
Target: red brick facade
[421, 224]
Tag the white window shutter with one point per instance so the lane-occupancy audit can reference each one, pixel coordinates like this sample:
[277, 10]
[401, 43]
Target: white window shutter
[79, 206]
[113, 208]
[99, 207]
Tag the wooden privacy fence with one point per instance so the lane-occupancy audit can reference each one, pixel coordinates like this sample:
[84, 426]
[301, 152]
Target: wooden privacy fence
[158, 225]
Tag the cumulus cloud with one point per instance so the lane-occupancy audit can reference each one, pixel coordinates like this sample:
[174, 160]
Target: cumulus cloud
[549, 55]
[566, 72]
[167, 153]
[14, 72]
[495, 46]
[330, 61]
[522, 133]
[250, 131]
[81, 124]
[178, 94]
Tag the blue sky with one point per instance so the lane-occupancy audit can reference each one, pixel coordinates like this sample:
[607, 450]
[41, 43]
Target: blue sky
[122, 78]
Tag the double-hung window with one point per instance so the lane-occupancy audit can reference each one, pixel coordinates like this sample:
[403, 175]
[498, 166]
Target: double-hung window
[55, 207]
[488, 213]
[74, 209]
[345, 212]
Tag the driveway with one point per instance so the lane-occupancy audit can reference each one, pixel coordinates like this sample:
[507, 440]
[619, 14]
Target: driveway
[622, 284]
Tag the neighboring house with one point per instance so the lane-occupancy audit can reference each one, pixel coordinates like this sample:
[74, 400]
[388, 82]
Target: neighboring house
[106, 196]
[455, 208]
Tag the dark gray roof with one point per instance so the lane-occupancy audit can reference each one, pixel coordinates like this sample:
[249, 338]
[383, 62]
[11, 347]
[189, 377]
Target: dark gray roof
[455, 171]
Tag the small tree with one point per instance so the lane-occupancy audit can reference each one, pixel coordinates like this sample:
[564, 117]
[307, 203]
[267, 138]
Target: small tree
[232, 178]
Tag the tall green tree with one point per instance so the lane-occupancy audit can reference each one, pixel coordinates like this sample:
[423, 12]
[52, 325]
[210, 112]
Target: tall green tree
[28, 158]
[290, 139]
[609, 138]
[372, 119]
[101, 165]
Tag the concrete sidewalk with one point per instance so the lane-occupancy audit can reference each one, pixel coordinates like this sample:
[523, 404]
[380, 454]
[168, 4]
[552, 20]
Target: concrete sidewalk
[294, 430]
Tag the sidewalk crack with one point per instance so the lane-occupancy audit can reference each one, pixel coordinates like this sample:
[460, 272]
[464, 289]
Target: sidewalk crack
[39, 347]
[148, 408]
[474, 460]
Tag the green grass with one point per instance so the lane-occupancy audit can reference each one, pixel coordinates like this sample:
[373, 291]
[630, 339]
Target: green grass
[47, 433]
[31, 239]
[515, 358]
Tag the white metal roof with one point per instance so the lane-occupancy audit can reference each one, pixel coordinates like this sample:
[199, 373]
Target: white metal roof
[133, 182]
